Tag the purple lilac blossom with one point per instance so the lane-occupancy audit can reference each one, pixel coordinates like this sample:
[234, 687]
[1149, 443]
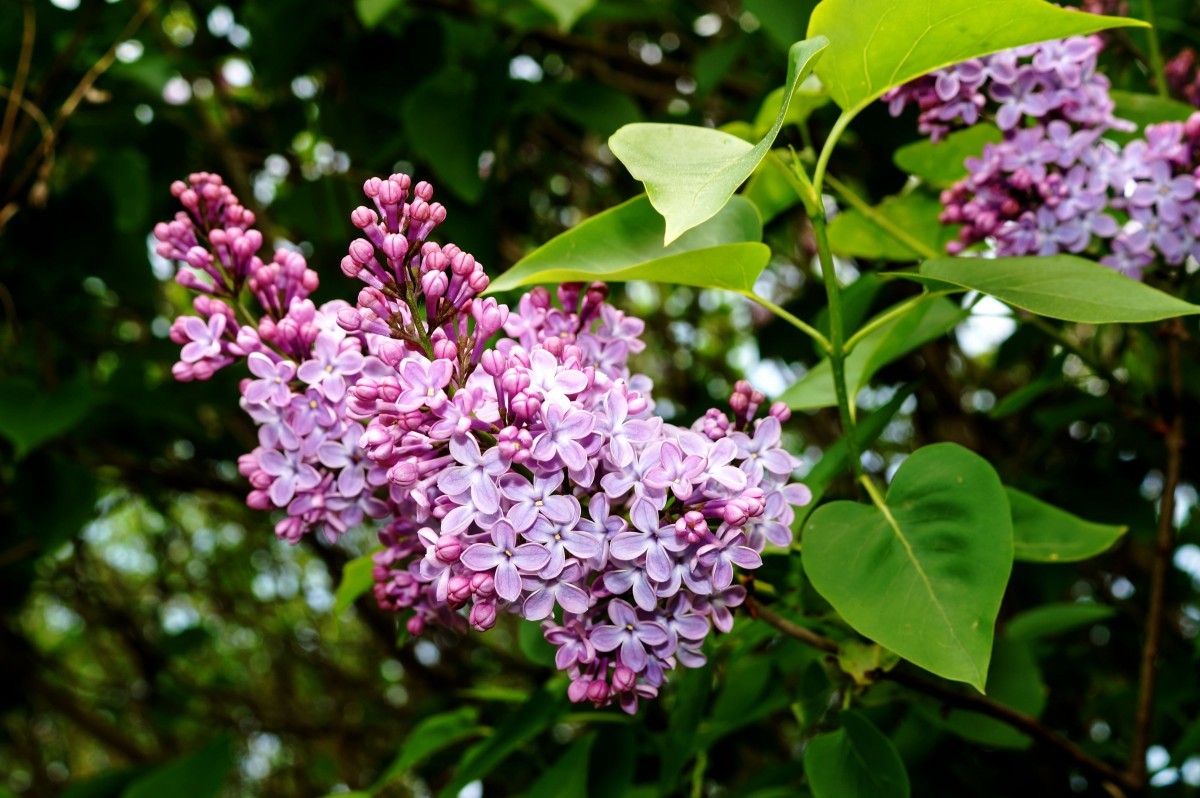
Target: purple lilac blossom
[1055, 183]
[479, 435]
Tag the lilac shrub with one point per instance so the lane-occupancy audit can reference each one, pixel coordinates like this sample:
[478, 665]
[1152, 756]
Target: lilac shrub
[513, 460]
[1055, 183]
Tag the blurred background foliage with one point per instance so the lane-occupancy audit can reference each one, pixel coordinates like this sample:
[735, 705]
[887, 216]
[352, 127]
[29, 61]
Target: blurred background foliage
[156, 640]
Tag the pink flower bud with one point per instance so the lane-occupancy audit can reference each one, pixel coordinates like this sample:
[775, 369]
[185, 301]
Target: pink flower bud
[623, 679]
[483, 616]
[448, 548]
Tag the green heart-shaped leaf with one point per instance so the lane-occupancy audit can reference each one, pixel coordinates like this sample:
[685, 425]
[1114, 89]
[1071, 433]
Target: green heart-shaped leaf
[924, 574]
[878, 44]
[856, 761]
[625, 243]
[691, 172]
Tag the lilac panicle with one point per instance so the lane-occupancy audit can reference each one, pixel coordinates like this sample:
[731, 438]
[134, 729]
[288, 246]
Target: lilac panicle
[1055, 183]
[514, 461]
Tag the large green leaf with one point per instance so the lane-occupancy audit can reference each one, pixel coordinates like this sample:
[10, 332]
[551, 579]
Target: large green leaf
[943, 163]
[431, 735]
[1015, 681]
[690, 172]
[31, 416]
[856, 761]
[878, 44]
[856, 234]
[522, 725]
[625, 243]
[198, 775]
[1059, 287]
[926, 321]
[1048, 620]
[568, 776]
[1044, 533]
[357, 579]
[924, 575]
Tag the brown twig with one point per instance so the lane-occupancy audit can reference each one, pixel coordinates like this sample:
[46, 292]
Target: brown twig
[970, 702]
[28, 35]
[1164, 548]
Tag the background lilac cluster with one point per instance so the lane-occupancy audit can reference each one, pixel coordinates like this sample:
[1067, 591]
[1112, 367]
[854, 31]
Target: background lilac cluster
[524, 473]
[1055, 183]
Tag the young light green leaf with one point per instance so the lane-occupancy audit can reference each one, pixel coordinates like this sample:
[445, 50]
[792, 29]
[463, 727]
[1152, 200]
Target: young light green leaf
[942, 164]
[878, 44]
[356, 580]
[431, 735]
[1044, 533]
[1060, 287]
[856, 761]
[923, 323]
[1014, 680]
[808, 97]
[861, 661]
[566, 12]
[854, 234]
[1054, 619]
[691, 172]
[924, 575]
[625, 243]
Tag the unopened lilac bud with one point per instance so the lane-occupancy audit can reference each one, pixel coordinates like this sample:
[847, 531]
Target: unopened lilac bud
[526, 405]
[395, 246]
[577, 691]
[739, 403]
[363, 217]
[781, 411]
[478, 281]
[597, 692]
[539, 297]
[492, 362]
[361, 251]
[554, 346]
[445, 349]
[448, 548]
[744, 387]
[637, 404]
[458, 589]
[415, 625]
[568, 296]
[434, 284]
[483, 585]
[483, 616]
[623, 679]
[514, 381]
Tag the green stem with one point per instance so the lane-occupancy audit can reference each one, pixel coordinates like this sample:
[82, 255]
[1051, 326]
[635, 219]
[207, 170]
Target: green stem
[893, 313]
[698, 774]
[1057, 336]
[835, 133]
[872, 491]
[1156, 57]
[879, 220]
[837, 353]
[807, 329]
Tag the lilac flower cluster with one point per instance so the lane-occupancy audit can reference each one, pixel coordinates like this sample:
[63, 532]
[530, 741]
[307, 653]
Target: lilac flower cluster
[516, 460]
[308, 462]
[1054, 183]
[1183, 76]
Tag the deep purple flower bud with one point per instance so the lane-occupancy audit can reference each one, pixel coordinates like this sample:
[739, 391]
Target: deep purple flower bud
[623, 679]
[539, 298]
[577, 691]
[483, 616]
[483, 585]
[458, 589]
[395, 246]
[597, 692]
[739, 403]
[568, 296]
[415, 625]
[448, 548]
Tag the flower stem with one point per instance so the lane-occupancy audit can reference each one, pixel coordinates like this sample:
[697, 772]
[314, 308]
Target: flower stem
[807, 329]
[837, 352]
[1156, 56]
